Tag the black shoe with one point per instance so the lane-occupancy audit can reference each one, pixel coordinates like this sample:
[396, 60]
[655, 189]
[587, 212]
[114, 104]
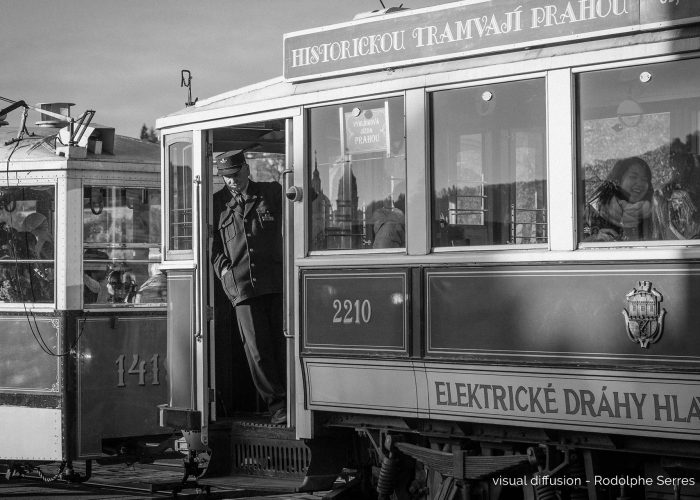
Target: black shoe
[279, 417]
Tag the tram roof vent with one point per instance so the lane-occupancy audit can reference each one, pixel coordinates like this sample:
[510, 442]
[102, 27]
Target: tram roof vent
[62, 108]
[101, 140]
[97, 139]
[379, 12]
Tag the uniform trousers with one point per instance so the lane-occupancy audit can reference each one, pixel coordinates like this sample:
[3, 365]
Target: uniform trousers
[260, 324]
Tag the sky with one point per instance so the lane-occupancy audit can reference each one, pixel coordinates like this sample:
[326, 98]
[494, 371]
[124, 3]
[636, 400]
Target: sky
[123, 58]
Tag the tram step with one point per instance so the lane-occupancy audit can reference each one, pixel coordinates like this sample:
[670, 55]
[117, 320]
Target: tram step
[256, 448]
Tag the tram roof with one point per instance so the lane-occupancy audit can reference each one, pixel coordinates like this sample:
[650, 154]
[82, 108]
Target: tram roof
[245, 96]
[275, 94]
[38, 145]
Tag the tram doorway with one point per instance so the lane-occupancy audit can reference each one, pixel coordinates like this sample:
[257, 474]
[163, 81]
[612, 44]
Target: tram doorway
[266, 146]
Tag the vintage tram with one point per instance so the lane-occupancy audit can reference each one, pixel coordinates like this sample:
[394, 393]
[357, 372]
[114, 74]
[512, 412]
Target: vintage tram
[491, 249]
[82, 300]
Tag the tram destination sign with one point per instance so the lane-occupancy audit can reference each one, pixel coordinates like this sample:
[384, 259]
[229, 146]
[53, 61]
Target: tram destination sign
[469, 28]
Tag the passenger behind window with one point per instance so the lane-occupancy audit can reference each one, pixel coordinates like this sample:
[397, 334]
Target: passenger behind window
[38, 225]
[620, 209]
[5, 241]
[16, 280]
[388, 221]
[95, 278]
[121, 286]
[24, 281]
[154, 290]
[676, 214]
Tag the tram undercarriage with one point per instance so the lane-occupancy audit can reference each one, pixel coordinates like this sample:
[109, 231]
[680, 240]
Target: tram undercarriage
[437, 460]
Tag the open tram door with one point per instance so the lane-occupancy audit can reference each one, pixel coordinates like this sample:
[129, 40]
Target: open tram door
[212, 396]
[267, 146]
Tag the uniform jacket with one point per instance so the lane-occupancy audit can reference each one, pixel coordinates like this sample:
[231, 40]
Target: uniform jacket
[389, 228]
[248, 241]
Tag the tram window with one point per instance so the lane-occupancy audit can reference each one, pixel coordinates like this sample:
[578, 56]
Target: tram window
[358, 175]
[179, 164]
[27, 244]
[489, 165]
[121, 246]
[639, 169]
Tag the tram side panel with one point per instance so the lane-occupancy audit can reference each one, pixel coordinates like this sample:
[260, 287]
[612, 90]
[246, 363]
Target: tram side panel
[363, 314]
[609, 347]
[57, 407]
[121, 378]
[31, 385]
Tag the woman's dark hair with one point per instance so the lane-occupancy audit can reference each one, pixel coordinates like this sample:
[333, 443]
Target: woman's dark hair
[611, 186]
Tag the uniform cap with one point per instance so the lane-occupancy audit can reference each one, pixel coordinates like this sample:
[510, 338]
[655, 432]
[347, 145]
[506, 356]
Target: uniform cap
[230, 162]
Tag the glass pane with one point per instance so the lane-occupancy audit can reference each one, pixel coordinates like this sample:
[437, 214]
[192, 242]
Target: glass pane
[639, 173]
[27, 244]
[358, 176]
[121, 248]
[180, 195]
[489, 165]
[264, 167]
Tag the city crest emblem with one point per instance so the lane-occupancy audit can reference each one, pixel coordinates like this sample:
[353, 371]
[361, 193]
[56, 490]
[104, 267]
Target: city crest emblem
[644, 317]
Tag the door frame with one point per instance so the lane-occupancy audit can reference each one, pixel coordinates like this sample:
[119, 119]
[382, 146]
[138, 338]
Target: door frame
[207, 280]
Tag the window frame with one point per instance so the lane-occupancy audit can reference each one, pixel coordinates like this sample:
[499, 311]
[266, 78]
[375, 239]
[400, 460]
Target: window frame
[307, 175]
[55, 185]
[168, 253]
[544, 76]
[578, 202]
[131, 184]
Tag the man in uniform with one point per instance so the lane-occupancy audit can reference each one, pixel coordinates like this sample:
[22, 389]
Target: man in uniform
[247, 258]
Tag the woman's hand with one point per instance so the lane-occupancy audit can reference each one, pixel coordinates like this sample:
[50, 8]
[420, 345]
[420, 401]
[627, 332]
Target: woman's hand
[606, 234]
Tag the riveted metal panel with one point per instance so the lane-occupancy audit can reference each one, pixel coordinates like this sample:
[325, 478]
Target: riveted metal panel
[30, 433]
[363, 387]
[181, 342]
[122, 378]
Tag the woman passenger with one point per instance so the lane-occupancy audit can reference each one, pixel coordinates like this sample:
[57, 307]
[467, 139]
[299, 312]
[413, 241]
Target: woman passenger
[620, 209]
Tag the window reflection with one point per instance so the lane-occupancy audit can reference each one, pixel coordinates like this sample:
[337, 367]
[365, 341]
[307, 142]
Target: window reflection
[27, 244]
[488, 161]
[358, 174]
[639, 173]
[121, 253]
